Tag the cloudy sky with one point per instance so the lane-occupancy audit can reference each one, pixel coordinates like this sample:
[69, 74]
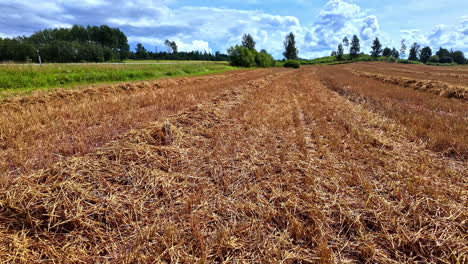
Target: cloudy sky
[217, 24]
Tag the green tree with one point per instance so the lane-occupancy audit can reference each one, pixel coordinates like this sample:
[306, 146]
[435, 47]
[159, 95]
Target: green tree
[346, 42]
[263, 59]
[426, 54]
[141, 52]
[443, 53]
[459, 57]
[355, 47]
[340, 52]
[291, 52]
[434, 59]
[403, 49]
[414, 52]
[248, 42]
[376, 48]
[395, 53]
[387, 52]
[171, 46]
[242, 56]
[446, 59]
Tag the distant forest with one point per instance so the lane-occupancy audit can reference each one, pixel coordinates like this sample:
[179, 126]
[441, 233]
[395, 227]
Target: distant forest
[103, 43]
[87, 44]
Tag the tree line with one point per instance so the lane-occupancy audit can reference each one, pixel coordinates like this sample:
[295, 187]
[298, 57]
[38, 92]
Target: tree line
[416, 53]
[172, 53]
[88, 44]
[103, 43]
[75, 44]
[245, 55]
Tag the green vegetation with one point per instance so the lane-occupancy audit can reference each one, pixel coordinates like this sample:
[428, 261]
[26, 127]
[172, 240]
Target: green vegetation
[409, 62]
[442, 64]
[416, 55]
[176, 62]
[292, 64]
[173, 53]
[331, 60]
[414, 52]
[355, 47]
[25, 78]
[426, 54]
[75, 44]
[247, 56]
[88, 44]
[104, 44]
[290, 50]
[376, 48]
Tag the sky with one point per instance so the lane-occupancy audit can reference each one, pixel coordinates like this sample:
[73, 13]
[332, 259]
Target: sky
[319, 25]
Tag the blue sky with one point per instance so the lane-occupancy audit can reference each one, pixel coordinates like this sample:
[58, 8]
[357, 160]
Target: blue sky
[216, 25]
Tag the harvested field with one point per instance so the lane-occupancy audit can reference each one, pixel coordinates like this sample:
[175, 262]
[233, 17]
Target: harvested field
[455, 76]
[38, 130]
[435, 87]
[439, 122]
[263, 166]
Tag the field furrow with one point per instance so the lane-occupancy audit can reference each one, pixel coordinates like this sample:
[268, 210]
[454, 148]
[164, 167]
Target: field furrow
[274, 166]
[435, 87]
[438, 122]
[38, 130]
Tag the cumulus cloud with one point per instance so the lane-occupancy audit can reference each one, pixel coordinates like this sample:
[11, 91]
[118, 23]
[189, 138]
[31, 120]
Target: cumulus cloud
[448, 36]
[209, 28]
[337, 20]
[370, 28]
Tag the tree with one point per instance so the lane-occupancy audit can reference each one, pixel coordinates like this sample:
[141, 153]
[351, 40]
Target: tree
[242, 56]
[248, 42]
[141, 52]
[414, 52]
[333, 53]
[395, 53]
[355, 47]
[75, 44]
[446, 59]
[346, 42]
[387, 52]
[263, 59]
[434, 59]
[376, 48]
[291, 51]
[171, 46]
[458, 57]
[340, 52]
[426, 54]
[443, 53]
[403, 49]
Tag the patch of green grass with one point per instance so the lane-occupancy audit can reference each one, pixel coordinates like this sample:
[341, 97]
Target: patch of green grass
[26, 78]
[176, 61]
[442, 64]
[292, 64]
[332, 60]
[409, 62]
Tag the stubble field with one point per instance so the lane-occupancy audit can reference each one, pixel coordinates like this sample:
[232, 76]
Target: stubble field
[354, 163]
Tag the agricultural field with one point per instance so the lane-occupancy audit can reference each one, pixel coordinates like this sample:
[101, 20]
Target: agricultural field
[350, 163]
[22, 79]
[176, 62]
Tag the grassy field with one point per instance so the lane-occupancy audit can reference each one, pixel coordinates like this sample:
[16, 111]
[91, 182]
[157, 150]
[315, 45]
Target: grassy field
[16, 79]
[176, 61]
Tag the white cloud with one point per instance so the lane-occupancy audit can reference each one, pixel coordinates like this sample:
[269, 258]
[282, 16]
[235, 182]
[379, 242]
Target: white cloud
[370, 28]
[337, 20]
[447, 36]
[209, 28]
